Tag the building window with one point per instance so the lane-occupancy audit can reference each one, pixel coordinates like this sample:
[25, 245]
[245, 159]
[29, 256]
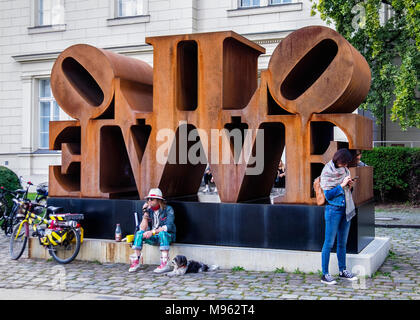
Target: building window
[241, 8]
[130, 8]
[249, 3]
[123, 12]
[48, 111]
[280, 1]
[50, 12]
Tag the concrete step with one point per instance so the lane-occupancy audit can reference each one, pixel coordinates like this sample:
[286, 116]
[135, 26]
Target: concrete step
[367, 262]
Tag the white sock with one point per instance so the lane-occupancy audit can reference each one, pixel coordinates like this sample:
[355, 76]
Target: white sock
[164, 257]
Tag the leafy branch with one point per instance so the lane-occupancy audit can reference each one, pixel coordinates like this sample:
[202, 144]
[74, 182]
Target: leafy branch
[387, 33]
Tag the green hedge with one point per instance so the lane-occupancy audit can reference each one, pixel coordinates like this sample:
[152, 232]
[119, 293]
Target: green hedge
[9, 179]
[396, 173]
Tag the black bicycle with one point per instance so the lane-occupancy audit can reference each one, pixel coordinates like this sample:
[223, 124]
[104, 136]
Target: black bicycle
[9, 208]
[6, 205]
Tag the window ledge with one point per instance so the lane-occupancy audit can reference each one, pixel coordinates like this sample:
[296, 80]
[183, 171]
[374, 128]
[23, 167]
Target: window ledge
[128, 20]
[45, 29]
[273, 8]
[42, 151]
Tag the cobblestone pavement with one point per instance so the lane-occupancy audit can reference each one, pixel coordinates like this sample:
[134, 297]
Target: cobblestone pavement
[397, 217]
[398, 278]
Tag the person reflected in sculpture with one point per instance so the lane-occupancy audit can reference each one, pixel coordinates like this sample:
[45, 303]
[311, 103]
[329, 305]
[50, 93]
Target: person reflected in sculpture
[280, 181]
[208, 181]
[336, 182]
[157, 227]
[357, 156]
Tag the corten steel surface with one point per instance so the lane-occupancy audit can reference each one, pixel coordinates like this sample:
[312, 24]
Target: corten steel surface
[314, 81]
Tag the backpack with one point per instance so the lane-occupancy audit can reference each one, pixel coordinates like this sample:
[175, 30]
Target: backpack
[320, 197]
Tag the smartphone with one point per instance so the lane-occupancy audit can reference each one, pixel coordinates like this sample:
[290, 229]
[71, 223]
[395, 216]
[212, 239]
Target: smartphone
[355, 178]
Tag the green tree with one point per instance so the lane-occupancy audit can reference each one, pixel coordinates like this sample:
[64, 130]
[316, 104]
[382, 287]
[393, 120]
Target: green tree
[390, 42]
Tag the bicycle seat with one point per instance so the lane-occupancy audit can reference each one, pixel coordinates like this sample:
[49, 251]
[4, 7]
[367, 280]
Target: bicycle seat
[38, 210]
[20, 191]
[52, 210]
[67, 216]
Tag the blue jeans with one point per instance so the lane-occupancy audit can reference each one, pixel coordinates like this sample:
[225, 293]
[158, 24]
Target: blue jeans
[335, 225]
[163, 239]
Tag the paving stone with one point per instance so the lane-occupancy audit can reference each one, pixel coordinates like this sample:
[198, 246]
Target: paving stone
[307, 298]
[231, 292]
[194, 289]
[152, 294]
[289, 296]
[252, 298]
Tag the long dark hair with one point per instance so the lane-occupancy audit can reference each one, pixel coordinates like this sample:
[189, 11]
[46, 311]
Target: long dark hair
[162, 203]
[342, 156]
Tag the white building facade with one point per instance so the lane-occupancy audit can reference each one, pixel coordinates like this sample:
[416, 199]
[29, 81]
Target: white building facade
[34, 32]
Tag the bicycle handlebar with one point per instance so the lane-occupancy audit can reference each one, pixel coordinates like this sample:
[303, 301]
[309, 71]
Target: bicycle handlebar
[4, 190]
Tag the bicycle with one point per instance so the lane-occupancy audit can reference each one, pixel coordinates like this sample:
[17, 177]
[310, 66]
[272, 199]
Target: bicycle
[62, 234]
[41, 193]
[8, 208]
[5, 207]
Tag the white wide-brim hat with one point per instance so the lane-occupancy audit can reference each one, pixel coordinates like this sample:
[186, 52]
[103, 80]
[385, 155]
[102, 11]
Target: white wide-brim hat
[155, 193]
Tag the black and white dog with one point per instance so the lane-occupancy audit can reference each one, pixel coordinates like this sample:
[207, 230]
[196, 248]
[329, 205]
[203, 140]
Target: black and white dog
[183, 266]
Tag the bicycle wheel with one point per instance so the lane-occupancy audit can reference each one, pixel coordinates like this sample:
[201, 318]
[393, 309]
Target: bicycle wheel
[18, 240]
[10, 222]
[68, 249]
[42, 200]
[3, 208]
[3, 213]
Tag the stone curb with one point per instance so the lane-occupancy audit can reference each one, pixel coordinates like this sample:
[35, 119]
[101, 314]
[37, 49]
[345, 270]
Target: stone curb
[37, 294]
[408, 226]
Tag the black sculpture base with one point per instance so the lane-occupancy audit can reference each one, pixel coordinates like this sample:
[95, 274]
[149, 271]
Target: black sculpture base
[274, 226]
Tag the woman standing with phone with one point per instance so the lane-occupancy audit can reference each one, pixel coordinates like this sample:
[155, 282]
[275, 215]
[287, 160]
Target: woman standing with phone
[339, 210]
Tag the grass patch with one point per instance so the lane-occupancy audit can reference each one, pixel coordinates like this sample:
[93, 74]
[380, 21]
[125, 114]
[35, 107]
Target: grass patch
[392, 255]
[297, 271]
[31, 196]
[280, 270]
[381, 273]
[237, 268]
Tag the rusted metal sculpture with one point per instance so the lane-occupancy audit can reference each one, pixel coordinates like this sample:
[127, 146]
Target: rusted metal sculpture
[314, 81]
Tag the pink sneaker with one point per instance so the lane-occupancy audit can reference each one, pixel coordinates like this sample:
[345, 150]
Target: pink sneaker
[135, 266]
[164, 267]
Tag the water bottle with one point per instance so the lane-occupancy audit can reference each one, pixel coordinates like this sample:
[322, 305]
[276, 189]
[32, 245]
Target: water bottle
[118, 234]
